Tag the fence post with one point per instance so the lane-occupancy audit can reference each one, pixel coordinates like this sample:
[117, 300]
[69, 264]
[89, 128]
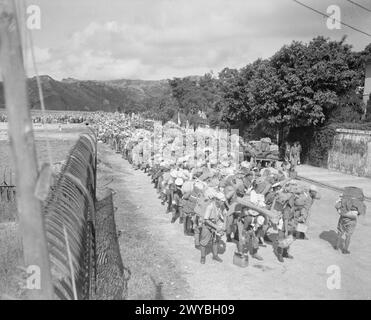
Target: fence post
[22, 143]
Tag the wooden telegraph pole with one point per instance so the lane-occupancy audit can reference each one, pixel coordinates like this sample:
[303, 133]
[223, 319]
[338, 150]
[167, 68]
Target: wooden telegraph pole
[31, 223]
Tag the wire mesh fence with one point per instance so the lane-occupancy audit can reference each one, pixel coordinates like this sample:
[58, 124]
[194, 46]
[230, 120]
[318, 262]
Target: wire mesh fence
[69, 223]
[8, 207]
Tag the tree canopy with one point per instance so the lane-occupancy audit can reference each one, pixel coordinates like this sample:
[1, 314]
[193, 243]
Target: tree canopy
[301, 85]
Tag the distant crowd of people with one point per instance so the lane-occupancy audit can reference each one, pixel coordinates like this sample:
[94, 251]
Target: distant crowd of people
[63, 117]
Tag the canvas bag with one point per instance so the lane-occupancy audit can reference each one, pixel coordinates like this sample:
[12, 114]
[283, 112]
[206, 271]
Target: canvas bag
[201, 205]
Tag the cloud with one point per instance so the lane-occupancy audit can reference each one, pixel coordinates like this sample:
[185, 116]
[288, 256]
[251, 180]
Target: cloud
[167, 38]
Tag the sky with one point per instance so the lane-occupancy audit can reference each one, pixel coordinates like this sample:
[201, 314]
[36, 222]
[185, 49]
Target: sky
[162, 39]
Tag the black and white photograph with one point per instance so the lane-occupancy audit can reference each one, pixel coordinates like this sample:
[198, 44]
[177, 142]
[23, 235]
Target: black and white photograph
[183, 156]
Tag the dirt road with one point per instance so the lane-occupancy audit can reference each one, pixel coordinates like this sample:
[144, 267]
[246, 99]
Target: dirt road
[304, 277]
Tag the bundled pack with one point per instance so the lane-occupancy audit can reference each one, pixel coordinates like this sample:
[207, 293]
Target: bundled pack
[295, 188]
[201, 205]
[351, 202]
[265, 145]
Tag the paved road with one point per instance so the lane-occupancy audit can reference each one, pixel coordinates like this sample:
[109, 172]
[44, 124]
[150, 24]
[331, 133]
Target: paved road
[305, 277]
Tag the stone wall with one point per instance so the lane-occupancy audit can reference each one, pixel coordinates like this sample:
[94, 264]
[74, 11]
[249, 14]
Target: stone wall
[351, 152]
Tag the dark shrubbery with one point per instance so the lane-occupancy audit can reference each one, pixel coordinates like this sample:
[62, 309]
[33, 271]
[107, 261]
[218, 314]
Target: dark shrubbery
[316, 143]
[320, 145]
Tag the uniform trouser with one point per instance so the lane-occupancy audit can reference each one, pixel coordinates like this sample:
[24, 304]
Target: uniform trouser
[176, 212]
[230, 225]
[208, 236]
[169, 201]
[188, 223]
[260, 233]
[280, 250]
[252, 242]
[159, 183]
[250, 239]
[196, 229]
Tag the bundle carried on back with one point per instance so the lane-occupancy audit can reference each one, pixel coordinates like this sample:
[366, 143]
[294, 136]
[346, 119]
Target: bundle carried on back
[351, 203]
[201, 204]
[295, 188]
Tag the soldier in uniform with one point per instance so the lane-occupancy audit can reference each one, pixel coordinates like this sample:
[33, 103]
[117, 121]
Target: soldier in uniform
[286, 228]
[176, 199]
[212, 228]
[302, 214]
[230, 207]
[248, 224]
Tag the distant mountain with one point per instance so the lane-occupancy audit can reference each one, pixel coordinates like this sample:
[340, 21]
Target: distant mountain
[72, 94]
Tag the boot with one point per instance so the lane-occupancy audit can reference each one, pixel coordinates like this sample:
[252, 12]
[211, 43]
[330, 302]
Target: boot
[229, 239]
[286, 254]
[346, 245]
[261, 243]
[203, 255]
[305, 237]
[168, 210]
[173, 217]
[279, 254]
[215, 253]
[217, 258]
[255, 255]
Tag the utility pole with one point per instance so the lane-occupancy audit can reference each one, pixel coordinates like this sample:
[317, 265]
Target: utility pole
[31, 222]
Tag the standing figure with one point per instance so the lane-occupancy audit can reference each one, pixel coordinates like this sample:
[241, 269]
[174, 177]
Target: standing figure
[230, 207]
[303, 205]
[299, 151]
[212, 228]
[176, 201]
[294, 156]
[350, 207]
[285, 230]
[248, 223]
[287, 152]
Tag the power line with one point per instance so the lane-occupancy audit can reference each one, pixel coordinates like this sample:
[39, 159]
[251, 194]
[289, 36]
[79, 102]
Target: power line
[359, 5]
[328, 16]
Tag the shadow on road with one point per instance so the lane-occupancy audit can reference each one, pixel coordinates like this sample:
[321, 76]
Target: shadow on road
[329, 236]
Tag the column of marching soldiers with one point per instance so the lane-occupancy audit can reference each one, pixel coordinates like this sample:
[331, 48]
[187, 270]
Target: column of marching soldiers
[249, 203]
[212, 192]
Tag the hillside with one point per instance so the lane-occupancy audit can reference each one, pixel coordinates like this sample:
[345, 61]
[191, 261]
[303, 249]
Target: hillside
[71, 94]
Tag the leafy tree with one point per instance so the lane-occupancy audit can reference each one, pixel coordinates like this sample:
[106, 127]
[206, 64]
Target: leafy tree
[194, 94]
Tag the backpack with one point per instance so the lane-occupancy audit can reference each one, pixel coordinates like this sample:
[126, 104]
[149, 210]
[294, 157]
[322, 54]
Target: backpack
[301, 200]
[354, 192]
[351, 200]
[201, 205]
[295, 188]
[281, 200]
[187, 187]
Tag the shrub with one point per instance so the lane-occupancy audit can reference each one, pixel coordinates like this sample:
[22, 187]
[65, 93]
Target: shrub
[320, 145]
